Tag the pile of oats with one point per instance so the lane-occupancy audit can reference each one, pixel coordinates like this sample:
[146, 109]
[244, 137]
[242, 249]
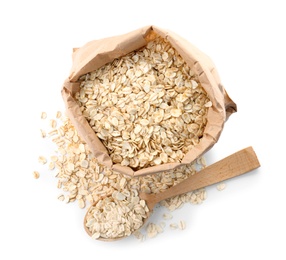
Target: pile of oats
[83, 180]
[147, 107]
[116, 216]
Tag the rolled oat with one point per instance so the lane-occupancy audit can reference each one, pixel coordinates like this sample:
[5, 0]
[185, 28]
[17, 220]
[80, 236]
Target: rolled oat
[36, 174]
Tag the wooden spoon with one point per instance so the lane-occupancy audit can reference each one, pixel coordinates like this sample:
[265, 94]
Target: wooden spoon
[234, 165]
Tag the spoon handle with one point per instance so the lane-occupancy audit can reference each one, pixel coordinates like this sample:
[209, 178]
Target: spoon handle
[234, 165]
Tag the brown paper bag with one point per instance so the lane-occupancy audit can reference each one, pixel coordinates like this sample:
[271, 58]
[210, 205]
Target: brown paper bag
[97, 53]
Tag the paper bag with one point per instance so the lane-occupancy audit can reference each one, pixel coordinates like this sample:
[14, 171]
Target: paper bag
[97, 53]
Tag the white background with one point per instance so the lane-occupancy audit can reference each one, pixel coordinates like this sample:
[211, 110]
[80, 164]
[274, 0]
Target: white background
[246, 41]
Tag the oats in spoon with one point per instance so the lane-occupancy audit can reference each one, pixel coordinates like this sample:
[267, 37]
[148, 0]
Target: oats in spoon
[116, 216]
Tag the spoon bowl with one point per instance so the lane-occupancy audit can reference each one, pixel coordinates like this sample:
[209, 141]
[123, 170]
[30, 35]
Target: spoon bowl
[234, 165]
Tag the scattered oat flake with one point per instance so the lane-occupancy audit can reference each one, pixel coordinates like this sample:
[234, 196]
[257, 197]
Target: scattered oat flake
[81, 203]
[61, 197]
[138, 235]
[51, 165]
[167, 216]
[36, 174]
[54, 158]
[159, 228]
[43, 133]
[173, 225]
[151, 230]
[53, 123]
[221, 186]
[43, 115]
[182, 224]
[53, 132]
[42, 160]
[59, 114]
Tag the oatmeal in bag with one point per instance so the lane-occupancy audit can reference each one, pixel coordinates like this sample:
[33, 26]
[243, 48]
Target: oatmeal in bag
[146, 101]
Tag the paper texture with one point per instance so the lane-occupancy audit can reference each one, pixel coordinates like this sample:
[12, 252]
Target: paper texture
[97, 53]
